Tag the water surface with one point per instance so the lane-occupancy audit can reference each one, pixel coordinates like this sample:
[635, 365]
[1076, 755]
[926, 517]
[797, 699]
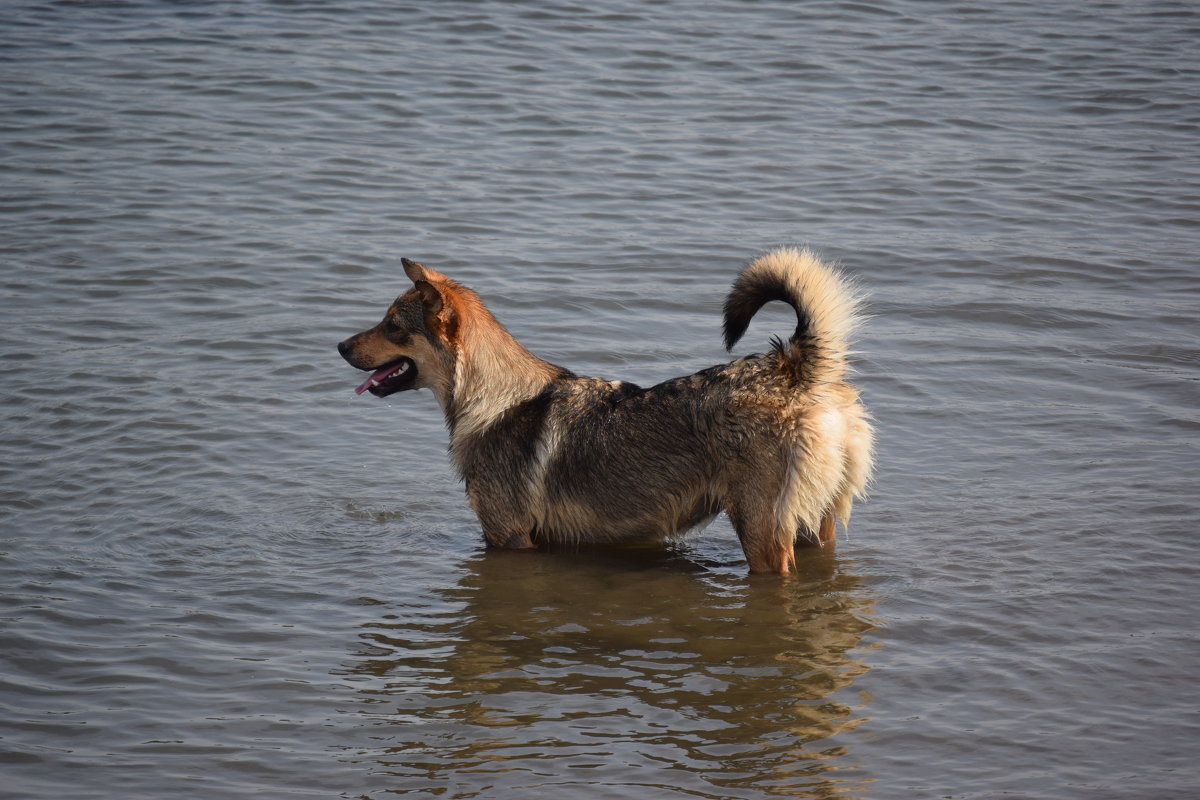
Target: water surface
[224, 575]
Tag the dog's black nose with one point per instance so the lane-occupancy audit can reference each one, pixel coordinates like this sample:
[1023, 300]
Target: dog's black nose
[343, 348]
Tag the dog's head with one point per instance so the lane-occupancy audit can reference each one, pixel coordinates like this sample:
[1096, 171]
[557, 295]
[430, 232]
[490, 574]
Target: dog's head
[413, 347]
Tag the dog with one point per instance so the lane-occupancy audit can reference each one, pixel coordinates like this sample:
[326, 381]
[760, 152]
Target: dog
[779, 441]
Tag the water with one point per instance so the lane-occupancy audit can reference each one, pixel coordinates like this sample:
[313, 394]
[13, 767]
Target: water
[224, 575]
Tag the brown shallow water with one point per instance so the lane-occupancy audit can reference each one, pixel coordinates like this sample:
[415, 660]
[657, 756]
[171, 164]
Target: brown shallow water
[224, 575]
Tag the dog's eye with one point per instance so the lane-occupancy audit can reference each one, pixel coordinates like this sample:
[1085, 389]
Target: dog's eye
[396, 330]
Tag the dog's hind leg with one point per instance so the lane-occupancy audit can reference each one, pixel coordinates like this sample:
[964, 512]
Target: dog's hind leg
[776, 501]
[828, 530]
[769, 544]
[767, 547]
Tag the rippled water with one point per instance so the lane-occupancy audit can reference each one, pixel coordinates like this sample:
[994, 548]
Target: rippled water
[223, 575]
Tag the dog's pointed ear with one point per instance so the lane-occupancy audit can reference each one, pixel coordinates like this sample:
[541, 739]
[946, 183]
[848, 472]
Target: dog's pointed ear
[420, 272]
[434, 288]
[431, 298]
[413, 270]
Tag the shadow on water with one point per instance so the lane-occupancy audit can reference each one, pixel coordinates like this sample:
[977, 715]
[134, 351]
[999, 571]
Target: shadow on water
[616, 673]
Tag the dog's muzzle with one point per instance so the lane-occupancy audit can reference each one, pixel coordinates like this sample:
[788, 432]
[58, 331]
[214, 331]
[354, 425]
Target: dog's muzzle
[394, 376]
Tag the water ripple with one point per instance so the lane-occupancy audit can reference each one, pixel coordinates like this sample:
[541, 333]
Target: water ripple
[227, 576]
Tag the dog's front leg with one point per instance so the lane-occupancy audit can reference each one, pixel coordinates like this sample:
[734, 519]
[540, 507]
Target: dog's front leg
[503, 525]
[520, 540]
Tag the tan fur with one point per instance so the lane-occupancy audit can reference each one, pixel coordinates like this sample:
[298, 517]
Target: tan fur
[779, 441]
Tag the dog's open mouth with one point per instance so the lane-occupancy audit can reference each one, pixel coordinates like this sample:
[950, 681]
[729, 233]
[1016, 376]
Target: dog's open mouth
[395, 376]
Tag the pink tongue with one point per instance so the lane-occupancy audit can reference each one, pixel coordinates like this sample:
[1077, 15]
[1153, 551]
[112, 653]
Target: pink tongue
[380, 374]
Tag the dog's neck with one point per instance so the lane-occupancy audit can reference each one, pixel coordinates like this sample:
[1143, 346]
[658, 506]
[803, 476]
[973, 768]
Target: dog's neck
[492, 373]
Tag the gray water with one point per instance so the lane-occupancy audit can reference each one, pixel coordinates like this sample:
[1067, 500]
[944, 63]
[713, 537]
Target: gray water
[224, 575]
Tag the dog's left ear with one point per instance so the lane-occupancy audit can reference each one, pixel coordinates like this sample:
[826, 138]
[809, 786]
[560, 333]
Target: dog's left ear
[414, 271]
[431, 298]
[420, 272]
[431, 284]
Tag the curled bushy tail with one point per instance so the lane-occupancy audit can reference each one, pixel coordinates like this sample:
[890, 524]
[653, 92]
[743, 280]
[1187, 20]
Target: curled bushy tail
[826, 311]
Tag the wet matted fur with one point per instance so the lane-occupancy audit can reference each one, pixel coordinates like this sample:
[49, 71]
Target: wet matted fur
[777, 440]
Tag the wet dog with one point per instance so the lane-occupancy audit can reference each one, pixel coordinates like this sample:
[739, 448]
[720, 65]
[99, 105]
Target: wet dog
[779, 441]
